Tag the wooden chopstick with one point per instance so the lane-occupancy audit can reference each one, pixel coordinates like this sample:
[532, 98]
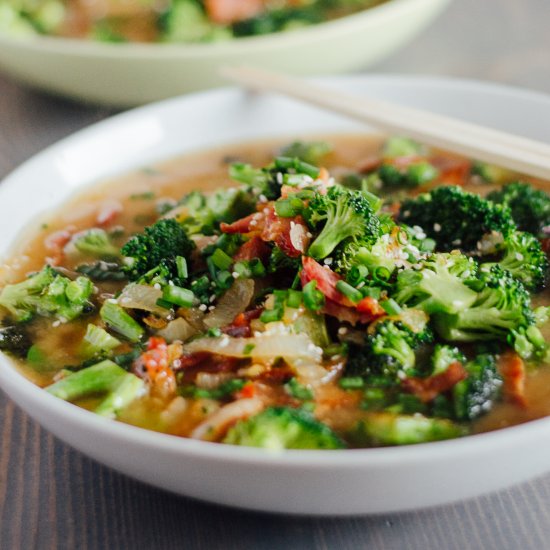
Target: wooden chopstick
[516, 153]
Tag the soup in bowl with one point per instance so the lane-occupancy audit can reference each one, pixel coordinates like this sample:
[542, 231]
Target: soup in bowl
[321, 341]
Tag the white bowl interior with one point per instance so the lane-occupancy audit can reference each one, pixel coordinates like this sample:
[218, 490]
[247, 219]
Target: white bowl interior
[340, 482]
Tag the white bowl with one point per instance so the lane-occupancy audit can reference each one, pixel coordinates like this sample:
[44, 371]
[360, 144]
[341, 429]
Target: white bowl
[296, 482]
[132, 74]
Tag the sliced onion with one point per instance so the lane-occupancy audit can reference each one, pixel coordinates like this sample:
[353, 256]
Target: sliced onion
[233, 302]
[178, 329]
[312, 374]
[143, 297]
[216, 424]
[194, 316]
[265, 347]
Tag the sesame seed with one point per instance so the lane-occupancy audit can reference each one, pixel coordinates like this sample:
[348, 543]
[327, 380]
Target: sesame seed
[327, 261]
[203, 307]
[263, 198]
[437, 227]
[235, 275]
[342, 330]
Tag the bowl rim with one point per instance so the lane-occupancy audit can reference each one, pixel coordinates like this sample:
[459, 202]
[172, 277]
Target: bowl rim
[11, 380]
[296, 37]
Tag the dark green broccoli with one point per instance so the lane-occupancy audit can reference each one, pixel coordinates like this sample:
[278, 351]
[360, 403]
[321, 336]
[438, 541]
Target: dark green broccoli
[93, 242]
[475, 395]
[388, 352]
[439, 285]
[343, 214]
[154, 251]
[521, 254]
[385, 428]
[279, 261]
[15, 340]
[455, 218]
[311, 152]
[443, 356]
[501, 305]
[283, 428]
[530, 207]
[48, 294]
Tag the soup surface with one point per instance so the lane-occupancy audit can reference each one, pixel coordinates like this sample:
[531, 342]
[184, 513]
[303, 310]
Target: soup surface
[353, 292]
[176, 21]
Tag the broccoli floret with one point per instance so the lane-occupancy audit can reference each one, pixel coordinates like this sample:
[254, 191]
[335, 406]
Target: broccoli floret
[524, 258]
[267, 181]
[311, 152]
[344, 214]
[156, 249]
[529, 343]
[455, 218]
[48, 294]
[261, 180]
[204, 212]
[491, 173]
[388, 351]
[501, 305]
[15, 340]
[384, 428]
[354, 252]
[530, 207]
[474, 396]
[439, 285]
[283, 428]
[443, 356]
[279, 261]
[399, 146]
[392, 178]
[93, 242]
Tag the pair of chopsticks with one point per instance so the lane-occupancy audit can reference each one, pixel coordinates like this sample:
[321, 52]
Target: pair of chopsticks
[516, 153]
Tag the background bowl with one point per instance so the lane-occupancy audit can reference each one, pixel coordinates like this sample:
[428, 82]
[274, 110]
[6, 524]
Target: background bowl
[299, 482]
[130, 74]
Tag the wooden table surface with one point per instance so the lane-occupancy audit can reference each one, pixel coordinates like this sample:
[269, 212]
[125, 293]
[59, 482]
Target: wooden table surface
[53, 497]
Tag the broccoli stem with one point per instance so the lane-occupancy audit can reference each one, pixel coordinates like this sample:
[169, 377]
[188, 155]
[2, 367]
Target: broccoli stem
[121, 321]
[125, 391]
[395, 429]
[98, 378]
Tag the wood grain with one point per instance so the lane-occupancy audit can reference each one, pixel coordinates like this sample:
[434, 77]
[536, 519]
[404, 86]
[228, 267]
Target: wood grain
[51, 497]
